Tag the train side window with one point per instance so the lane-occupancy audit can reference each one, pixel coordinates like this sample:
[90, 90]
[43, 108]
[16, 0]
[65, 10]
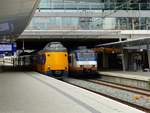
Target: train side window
[43, 59]
[70, 59]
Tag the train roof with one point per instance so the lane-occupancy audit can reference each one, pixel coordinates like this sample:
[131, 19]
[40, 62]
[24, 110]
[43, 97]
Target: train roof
[85, 50]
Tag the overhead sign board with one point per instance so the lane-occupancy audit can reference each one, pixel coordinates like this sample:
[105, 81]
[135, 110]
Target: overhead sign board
[5, 47]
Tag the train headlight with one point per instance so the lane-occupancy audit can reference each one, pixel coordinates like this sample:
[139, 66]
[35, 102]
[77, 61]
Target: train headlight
[81, 66]
[49, 68]
[66, 68]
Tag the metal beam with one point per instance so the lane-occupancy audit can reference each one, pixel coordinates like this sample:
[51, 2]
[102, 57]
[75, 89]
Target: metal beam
[68, 34]
[131, 42]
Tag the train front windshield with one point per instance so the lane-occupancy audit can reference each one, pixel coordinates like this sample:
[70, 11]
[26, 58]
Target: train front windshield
[56, 46]
[86, 56]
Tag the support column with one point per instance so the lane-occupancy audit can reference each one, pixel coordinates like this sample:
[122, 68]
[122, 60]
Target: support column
[23, 46]
[122, 55]
[148, 54]
[123, 60]
[105, 60]
[126, 60]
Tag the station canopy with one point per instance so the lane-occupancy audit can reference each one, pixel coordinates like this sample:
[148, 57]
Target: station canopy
[142, 42]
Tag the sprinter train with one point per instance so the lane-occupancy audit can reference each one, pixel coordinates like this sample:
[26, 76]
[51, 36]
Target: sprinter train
[83, 61]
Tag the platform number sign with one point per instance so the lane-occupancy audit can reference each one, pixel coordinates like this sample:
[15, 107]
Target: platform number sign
[7, 47]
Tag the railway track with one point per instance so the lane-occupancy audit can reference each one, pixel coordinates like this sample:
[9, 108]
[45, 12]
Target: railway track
[122, 87]
[139, 93]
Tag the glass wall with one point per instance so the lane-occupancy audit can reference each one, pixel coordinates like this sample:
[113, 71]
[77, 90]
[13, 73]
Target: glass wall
[89, 23]
[95, 5]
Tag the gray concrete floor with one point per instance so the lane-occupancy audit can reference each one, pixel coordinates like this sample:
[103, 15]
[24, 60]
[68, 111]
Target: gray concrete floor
[34, 93]
[20, 93]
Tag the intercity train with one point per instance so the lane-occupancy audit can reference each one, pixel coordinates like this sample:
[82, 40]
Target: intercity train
[52, 60]
[83, 61]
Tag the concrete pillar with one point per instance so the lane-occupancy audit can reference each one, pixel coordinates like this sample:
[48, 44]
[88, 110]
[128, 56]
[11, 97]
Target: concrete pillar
[105, 60]
[123, 61]
[149, 58]
[148, 54]
[23, 46]
[122, 55]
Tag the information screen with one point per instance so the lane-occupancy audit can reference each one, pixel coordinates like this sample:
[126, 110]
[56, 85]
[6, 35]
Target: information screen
[5, 47]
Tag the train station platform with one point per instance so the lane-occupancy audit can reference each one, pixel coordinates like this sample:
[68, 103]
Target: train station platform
[135, 79]
[31, 92]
